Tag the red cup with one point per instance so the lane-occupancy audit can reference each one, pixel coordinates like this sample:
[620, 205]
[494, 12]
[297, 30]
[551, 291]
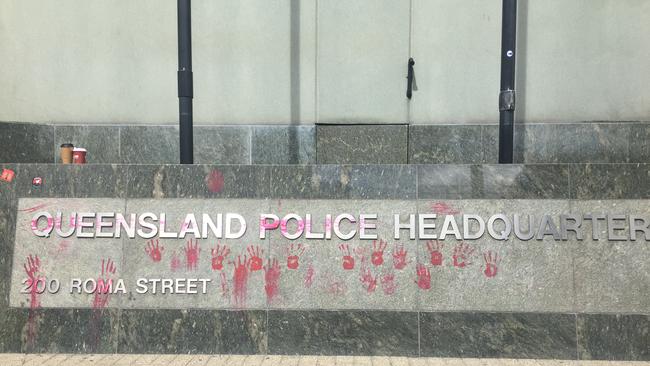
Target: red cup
[79, 155]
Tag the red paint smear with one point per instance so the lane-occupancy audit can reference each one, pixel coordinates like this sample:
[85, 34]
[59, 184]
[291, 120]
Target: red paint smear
[309, 276]
[336, 288]
[240, 281]
[388, 283]
[34, 208]
[104, 284]
[424, 277]
[461, 255]
[225, 291]
[256, 261]
[154, 250]
[444, 209]
[218, 255]
[368, 281]
[175, 263]
[32, 268]
[293, 255]
[378, 247]
[272, 279]
[192, 255]
[399, 257]
[215, 181]
[435, 248]
[491, 263]
[348, 260]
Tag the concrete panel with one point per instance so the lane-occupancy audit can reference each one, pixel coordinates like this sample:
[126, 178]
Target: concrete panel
[456, 47]
[363, 50]
[530, 275]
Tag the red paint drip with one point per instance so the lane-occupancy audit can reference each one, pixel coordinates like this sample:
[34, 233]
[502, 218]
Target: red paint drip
[225, 290]
[214, 181]
[309, 276]
[175, 263]
[240, 281]
[272, 279]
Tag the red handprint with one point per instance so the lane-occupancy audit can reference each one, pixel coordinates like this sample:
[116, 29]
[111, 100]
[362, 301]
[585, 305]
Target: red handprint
[240, 279]
[104, 284]
[34, 277]
[218, 255]
[256, 257]
[424, 276]
[293, 255]
[491, 264]
[378, 247]
[367, 280]
[399, 257]
[388, 283]
[271, 279]
[348, 260]
[154, 250]
[175, 263]
[435, 248]
[192, 255]
[461, 255]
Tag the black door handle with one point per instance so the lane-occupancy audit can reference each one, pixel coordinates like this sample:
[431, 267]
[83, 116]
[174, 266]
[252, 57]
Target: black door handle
[410, 76]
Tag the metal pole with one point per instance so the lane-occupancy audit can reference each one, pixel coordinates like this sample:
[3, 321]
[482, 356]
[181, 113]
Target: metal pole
[185, 84]
[507, 94]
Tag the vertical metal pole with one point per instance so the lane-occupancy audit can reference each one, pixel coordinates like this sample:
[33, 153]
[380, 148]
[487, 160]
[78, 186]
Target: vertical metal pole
[507, 94]
[185, 84]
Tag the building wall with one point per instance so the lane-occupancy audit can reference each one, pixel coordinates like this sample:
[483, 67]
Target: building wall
[310, 61]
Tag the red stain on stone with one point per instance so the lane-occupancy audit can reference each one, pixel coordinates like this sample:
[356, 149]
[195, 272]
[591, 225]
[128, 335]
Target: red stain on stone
[435, 248]
[423, 277]
[192, 252]
[175, 263]
[256, 261]
[240, 280]
[348, 260]
[218, 255]
[225, 290]
[368, 281]
[104, 284]
[399, 257]
[461, 255]
[309, 276]
[214, 181]
[293, 255]
[442, 208]
[272, 279]
[388, 283]
[377, 256]
[491, 263]
[34, 208]
[154, 250]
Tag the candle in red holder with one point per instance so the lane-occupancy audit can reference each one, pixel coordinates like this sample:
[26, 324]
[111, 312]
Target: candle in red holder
[79, 155]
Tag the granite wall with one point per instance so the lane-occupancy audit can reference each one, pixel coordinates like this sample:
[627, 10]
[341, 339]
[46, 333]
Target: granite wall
[600, 331]
[623, 142]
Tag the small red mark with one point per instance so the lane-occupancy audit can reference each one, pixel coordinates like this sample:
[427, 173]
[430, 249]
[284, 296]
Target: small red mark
[175, 263]
[256, 257]
[240, 280]
[368, 281]
[378, 247]
[424, 276]
[348, 260]
[104, 284]
[435, 248]
[399, 257]
[388, 283]
[309, 276]
[336, 288]
[461, 255]
[7, 175]
[154, 250]
[271, 279]
[214, 181]
[192, 255]
[293, 255]
[491, 263]
[218, 255]
[34, 277]
[225, 291]
[34, 208]
[444, 209]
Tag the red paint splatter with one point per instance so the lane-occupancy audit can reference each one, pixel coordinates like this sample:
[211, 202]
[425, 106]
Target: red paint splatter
[461, 255]
[214, 181]
[399, 257]
[272, 279]
[309, 276]
[435, 247]
[175, 263]
[34, 208]
[377, 256]
[34, 277]
[293, 255]
[225, 291]
[192, 255]
[368, 281]
[348, 260]
[388, 283]
[154, 250]
[443, 208]
[491, 263]
[218, 255]
[240, 280]
[104, 284]
[256, 257]
[424, 277]
[7, 175]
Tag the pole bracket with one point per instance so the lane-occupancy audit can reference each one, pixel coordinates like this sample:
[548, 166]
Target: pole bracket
[507, 100]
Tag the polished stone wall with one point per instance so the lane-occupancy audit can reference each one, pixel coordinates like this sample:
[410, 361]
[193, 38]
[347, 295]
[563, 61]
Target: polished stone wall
[624, 142]
[597, 330]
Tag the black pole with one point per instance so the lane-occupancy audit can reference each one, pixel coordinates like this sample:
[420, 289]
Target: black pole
[507, 94]
[185, 88]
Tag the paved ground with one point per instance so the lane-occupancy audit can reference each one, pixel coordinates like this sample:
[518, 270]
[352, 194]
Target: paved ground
[202, 360]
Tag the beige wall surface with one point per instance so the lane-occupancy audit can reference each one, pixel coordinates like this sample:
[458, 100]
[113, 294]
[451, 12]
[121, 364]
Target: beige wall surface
[306, 61]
